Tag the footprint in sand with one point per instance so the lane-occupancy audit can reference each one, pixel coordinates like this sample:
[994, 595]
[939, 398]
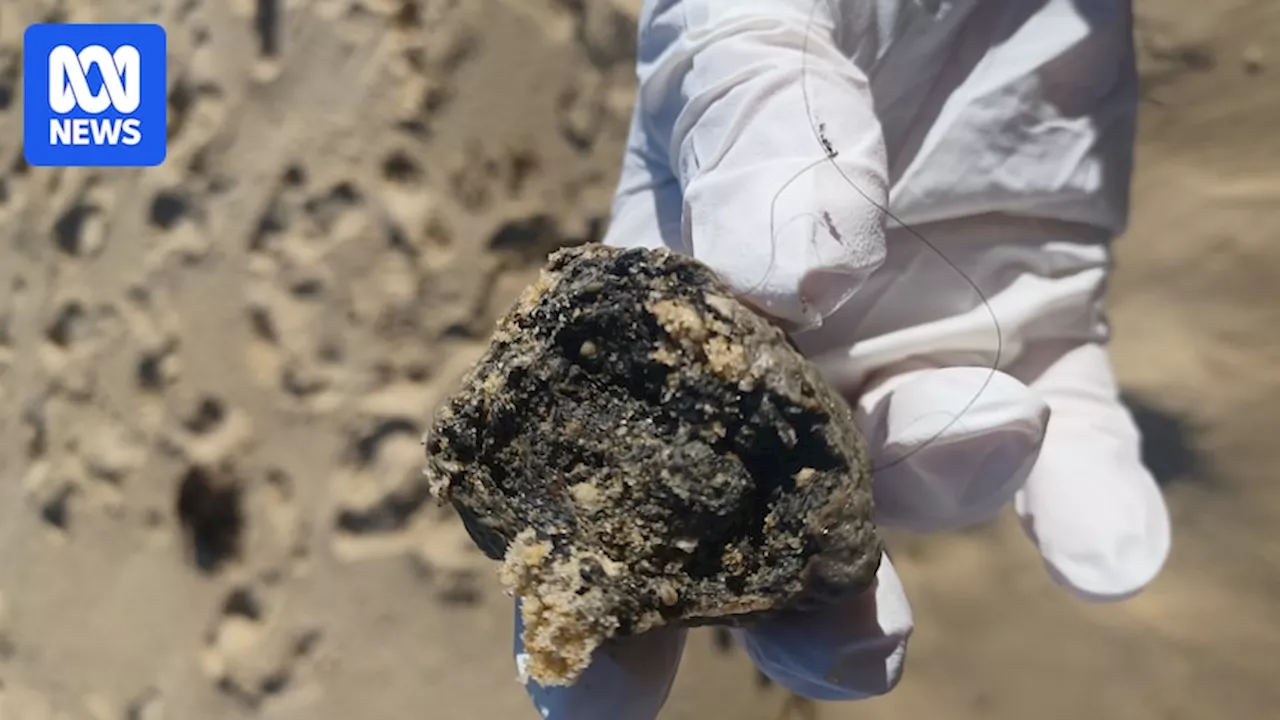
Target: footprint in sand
[252, 654]
[296, 331]
[108, 453]
[77, 334]
[49, 497]
[380, 490]
[176, 214]
[433, 41]
[80, 228]
[384, 506]
[154, 330]
[79, 459]
[444, 556]
[509, 175]
[177, 223]
[581, 111]
[282, 543]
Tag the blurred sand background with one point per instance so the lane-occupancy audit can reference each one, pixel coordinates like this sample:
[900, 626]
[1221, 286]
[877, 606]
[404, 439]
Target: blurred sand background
[214, 375]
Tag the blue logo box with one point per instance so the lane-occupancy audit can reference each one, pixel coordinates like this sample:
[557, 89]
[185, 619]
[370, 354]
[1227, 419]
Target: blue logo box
[94, 95]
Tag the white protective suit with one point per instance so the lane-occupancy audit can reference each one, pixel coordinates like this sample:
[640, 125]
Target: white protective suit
[1000, 132]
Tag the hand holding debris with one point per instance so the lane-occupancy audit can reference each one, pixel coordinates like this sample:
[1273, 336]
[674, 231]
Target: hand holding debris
[640, 450]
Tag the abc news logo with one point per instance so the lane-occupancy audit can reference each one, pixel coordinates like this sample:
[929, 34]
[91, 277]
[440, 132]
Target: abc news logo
[69, 91]
[95, 94]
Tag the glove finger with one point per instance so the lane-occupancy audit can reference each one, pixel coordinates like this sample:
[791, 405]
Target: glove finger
[737, 97]
[846, 652]
[1090, 505]
[627, 679]
[949, 446]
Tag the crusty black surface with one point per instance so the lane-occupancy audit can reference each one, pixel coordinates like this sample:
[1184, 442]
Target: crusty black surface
[640, 449]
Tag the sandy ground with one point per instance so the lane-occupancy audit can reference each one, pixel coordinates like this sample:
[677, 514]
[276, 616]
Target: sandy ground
[213, 377]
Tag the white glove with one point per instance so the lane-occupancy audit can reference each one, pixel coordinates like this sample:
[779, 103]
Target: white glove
[953, 441]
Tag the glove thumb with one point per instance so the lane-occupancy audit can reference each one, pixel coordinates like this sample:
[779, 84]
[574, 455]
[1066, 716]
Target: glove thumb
[949, 446]
[627, 679]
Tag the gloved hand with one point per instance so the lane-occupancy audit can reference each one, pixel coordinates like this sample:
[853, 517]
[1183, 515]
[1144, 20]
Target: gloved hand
[953, 440]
